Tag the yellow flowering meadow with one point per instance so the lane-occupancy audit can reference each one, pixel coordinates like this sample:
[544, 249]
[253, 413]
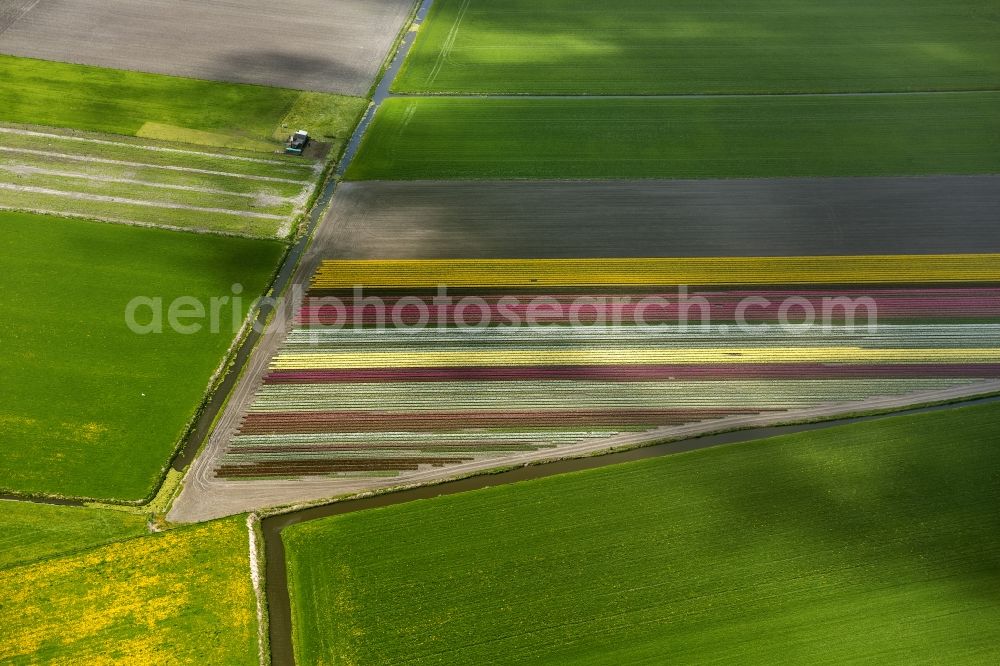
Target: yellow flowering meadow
[184, 596]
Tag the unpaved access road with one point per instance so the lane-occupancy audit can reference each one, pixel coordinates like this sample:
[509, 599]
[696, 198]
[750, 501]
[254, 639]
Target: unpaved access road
[304, 44]
[679, 218]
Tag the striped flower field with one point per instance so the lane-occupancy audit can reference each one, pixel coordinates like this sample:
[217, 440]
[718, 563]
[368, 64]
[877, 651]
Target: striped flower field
[356, 391]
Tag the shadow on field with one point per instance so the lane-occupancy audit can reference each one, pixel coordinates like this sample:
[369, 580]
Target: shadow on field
[708, 48]
[775, 217]
[285, 69]
[905, 511]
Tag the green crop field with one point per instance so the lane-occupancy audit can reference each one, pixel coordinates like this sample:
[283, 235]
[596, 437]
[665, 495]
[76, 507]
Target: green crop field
[148, 182]
[184, 596]
[90, 408]
[167, 107]
[873, 542]
[30, 531]
[693, 46]
[740, 137]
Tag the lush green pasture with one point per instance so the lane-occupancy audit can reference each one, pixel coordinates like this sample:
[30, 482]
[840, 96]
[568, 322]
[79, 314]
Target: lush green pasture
[184, 596]
[648, 46]
[30, 531]
[90, 408]
[414, 138]
[179, 109]
[875, 542]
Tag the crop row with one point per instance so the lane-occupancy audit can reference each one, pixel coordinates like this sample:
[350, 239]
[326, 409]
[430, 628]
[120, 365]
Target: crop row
[404, 398]
[630, 356]
[334, 275]
[550, 337]
[968, 303]
[637, 373]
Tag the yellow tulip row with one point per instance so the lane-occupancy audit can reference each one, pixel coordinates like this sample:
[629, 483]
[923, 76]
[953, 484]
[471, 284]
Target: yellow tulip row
[490, 273]
[604, 356]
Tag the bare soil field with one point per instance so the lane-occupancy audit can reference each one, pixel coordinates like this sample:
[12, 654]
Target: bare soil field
[773, 217]
[303, 44]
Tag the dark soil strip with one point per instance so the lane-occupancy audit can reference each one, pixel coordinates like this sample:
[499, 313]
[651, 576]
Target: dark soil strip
[681, 218]
[274, 423]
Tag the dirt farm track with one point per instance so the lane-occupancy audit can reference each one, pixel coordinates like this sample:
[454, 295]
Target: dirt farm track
[308, 44]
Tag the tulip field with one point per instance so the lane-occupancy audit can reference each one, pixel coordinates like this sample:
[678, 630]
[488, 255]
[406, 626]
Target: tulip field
[354, 392]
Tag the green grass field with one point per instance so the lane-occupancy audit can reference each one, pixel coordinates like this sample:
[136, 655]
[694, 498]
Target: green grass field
[874, 542]
[739, 137]
[90, 408]
[166, 107]
[119, 179]
[30, 531]
[693, 46]
[184, 596]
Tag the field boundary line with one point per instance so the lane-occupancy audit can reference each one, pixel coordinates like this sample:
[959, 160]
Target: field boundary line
[133, 181]
[145, 165]
[135, 202]
[159, 149]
